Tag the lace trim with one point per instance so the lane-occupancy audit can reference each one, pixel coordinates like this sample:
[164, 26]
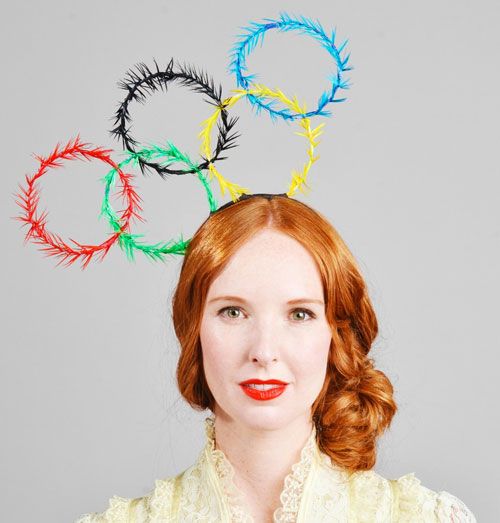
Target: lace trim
[412, 497]
[450, 508]
[225, 472]
[367, 493]
[117, 511]
[161, 499]
[291, 494]
[417, 501]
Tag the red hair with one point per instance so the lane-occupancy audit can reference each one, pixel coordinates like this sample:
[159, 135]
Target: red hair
[356, 402]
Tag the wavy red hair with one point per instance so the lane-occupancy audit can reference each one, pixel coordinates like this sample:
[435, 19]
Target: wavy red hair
[356, 402]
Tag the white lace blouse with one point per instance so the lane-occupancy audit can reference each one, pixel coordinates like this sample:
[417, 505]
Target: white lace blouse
[315, 491]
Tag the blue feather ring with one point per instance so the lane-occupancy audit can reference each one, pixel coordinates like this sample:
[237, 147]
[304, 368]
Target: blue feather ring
[254, 35]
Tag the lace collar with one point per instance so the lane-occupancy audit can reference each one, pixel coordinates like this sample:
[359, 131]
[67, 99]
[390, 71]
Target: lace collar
[291, 494]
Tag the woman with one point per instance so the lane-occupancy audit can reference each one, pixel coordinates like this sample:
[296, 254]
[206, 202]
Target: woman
[275, 326]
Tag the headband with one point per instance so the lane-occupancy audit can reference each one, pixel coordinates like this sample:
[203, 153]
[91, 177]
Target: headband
[268, 196]
[139, 83]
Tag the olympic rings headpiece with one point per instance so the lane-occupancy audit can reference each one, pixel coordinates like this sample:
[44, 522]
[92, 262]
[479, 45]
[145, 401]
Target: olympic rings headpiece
[142, 81]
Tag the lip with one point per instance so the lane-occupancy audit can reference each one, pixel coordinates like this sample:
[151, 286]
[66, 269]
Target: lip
[263, 382]
[264, 395]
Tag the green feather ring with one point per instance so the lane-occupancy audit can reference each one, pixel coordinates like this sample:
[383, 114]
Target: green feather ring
[132, 242]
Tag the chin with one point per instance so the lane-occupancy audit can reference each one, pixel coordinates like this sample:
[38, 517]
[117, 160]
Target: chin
[265, 417]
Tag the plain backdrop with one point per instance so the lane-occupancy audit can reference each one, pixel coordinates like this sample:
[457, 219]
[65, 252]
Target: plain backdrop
[408, 174]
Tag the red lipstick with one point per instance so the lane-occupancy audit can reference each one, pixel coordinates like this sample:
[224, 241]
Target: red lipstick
[263, 395]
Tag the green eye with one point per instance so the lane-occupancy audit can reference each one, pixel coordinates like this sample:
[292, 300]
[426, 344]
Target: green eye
[229, 311]
[303, 313]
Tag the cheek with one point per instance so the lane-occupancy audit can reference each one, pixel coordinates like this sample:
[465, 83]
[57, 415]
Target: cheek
[216, 356]
[312, 358]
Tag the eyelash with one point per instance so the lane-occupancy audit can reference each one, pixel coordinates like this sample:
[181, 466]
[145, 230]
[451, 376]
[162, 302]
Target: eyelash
[307, 311]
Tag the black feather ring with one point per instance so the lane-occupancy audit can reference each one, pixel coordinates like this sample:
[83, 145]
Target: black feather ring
[141, 81]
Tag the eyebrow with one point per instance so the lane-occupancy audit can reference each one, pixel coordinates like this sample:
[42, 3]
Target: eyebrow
[290, 302]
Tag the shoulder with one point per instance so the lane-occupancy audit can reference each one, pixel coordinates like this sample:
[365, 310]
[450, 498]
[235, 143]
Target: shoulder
[156, 504]
[404, 499]
[118, 510]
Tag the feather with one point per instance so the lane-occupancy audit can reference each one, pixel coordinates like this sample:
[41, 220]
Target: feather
[253, 34]
[141, 81]
[29, 197]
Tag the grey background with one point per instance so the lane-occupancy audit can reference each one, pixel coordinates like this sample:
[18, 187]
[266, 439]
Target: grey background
[408, 174]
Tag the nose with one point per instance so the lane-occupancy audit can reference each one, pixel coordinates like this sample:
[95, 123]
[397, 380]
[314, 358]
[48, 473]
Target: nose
[264, 346]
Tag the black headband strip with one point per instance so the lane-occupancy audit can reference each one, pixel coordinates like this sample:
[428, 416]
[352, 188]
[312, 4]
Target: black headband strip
[269, 196]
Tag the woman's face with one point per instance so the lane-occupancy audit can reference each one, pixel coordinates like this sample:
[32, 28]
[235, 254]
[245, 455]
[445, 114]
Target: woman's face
[264, 319]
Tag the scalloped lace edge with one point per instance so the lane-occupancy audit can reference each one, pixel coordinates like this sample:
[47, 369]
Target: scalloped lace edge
[294, 481]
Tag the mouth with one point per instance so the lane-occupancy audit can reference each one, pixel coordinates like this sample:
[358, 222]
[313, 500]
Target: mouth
[263, 392]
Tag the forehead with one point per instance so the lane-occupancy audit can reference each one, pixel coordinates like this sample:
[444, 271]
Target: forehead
[270, 261]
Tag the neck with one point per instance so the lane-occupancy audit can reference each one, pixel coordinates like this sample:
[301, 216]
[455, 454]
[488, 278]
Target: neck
[261, 459]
